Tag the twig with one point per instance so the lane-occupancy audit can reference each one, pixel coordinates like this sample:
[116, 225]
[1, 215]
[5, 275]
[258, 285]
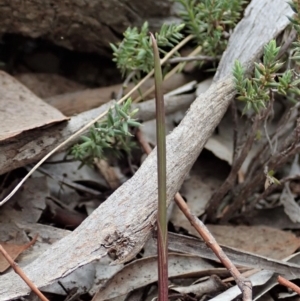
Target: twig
[243, 283]
[288, 149]
[217, 197]
[272, 148]
[235, 129]
[207, 58]
[289, 284]
[20, 272]
[281, 131]
[287, 43]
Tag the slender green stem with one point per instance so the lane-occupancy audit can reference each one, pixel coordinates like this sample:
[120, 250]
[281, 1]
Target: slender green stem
[162, 237]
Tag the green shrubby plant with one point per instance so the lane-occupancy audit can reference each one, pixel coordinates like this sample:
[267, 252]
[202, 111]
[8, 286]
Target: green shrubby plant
[111, 134]
[295, 21]
[255, 91]
[210, 21]
[135, 52]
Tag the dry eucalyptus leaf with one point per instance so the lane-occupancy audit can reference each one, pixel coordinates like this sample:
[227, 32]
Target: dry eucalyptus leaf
[221, 143]
[21, 110]
[48, 84]
[261, 240]
[48, 235]
[287, 198]
[200, 185]
[272, 217]
[191, 245]
[203, 86]
[291, 207]
[83, 278]
[111, 174]
[25, 207]
[103, 272]
[27, 204]
[71, 172]
[13, 251]
[210, 286]
[144, 271]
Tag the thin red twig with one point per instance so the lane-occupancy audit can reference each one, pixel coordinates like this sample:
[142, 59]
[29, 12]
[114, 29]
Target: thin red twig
[21, 273]
[289, 284]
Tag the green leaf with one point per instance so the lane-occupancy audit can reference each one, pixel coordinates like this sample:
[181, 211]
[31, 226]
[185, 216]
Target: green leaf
[107, 135]
[125, 127]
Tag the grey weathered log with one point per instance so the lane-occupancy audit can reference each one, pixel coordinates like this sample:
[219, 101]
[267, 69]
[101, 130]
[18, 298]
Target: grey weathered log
[83, 25]
[123, 223]
[32, 145]
[249, 37]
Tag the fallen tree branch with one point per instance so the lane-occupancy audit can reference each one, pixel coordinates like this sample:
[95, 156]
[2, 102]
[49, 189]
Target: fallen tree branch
[126, 229]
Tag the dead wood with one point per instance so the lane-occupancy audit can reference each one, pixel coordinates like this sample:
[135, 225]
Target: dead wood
[124, 221]
[80, 25]
[31, 146]
[81, 101]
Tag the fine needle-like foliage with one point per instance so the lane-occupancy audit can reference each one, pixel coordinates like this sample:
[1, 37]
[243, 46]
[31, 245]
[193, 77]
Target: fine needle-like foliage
[111, 134]
[255, 91]
[162, 231]
[211, 21]
[135, 53]
[295, 21]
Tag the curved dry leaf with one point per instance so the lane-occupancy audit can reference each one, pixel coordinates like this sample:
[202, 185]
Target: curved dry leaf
[291, 207]
[144, 271]
[191, 245]
[13, 251]
[27, 205]
[48, 84]
[48, 235]
[210, 286]
[272, 217]
[17, 114]
[200, 185]
[203, 86]
[261, 240]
